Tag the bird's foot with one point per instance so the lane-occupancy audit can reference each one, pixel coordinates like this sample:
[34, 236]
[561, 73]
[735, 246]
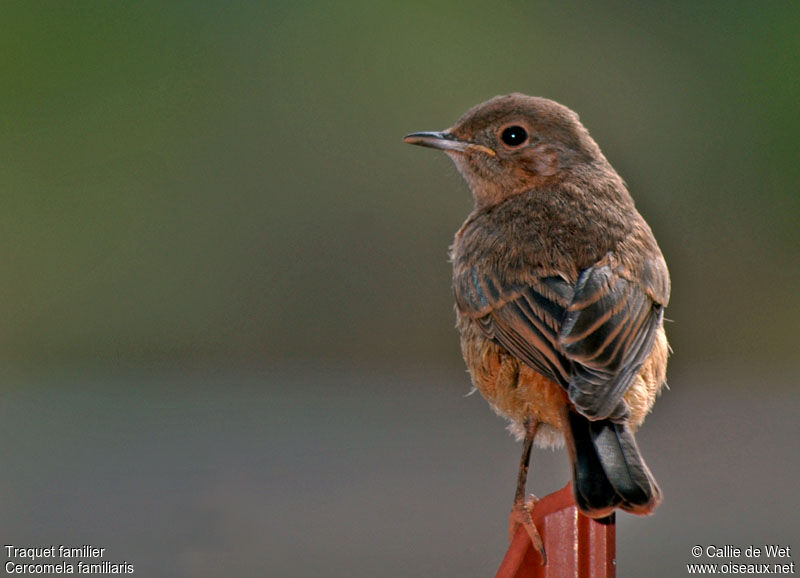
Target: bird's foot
[521, 515]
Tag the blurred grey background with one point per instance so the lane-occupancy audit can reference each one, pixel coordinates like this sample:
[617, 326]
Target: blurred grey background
[226, 327]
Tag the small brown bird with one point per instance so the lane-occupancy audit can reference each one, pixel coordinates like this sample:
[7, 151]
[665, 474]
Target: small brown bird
[560, 290]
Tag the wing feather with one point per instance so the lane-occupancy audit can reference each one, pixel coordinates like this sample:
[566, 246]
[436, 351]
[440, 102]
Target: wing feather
[591, 336]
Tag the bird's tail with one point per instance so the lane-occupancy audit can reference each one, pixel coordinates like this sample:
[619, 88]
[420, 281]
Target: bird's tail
[608, 470]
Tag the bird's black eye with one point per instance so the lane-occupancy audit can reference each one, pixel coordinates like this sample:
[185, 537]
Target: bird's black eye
[514, 136]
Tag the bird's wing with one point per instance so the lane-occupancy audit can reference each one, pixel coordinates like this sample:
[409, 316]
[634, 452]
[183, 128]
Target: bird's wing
[525, 318]
[591, 336]
[608, 332]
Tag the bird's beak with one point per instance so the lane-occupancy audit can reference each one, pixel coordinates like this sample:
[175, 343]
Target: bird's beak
[444, 141]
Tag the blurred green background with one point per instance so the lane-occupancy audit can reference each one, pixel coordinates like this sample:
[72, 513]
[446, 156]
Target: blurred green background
[226, 319]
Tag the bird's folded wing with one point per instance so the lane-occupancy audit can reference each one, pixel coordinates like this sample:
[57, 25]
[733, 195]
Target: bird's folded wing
[592, 337]
[524, 318]
[608, 333]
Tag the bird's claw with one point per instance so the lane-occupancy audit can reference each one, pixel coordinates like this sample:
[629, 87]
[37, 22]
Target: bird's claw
[521, 515]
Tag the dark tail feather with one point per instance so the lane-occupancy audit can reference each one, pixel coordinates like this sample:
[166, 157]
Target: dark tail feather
[608, 470]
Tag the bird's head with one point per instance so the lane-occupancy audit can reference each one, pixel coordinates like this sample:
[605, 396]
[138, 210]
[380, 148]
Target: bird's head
[513, 143]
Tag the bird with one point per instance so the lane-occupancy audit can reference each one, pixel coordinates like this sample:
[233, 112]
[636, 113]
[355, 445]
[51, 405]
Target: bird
[560, 289]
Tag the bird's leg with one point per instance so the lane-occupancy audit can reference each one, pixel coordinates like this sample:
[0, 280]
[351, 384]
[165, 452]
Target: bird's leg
[521, 511]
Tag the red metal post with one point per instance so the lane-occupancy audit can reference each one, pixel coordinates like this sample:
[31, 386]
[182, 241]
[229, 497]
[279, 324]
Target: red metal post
[577, 546]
